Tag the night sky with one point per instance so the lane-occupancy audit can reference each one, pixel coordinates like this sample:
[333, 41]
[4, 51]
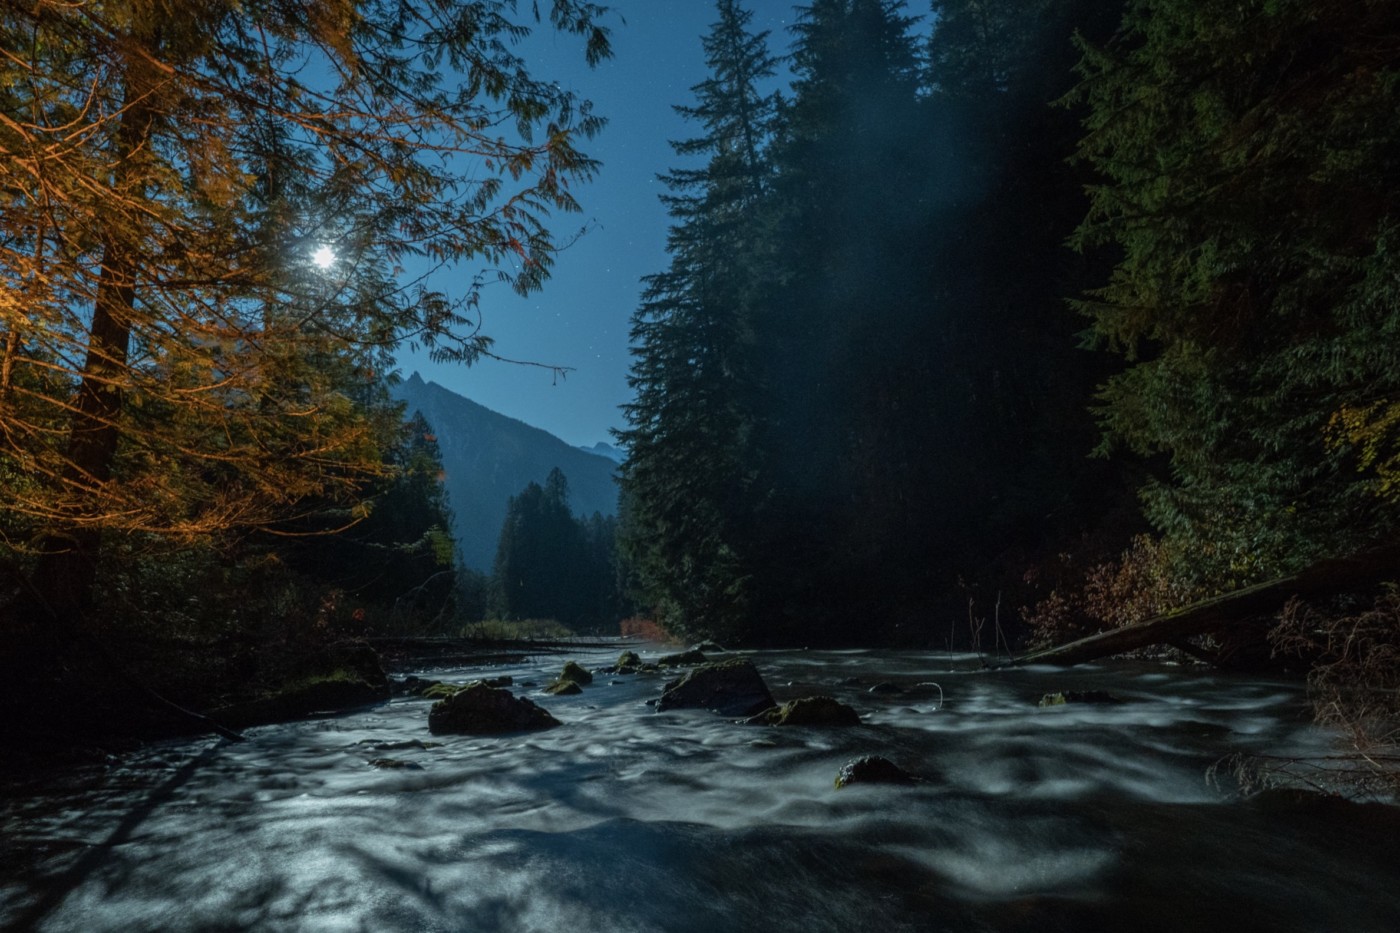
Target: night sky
[580, 318]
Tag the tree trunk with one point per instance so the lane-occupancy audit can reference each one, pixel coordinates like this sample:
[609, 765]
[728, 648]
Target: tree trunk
[1325, 577]
[67, 566]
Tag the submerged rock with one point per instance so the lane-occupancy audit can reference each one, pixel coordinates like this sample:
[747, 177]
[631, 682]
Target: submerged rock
[394, 764]
[731, 688]
[1079, 696]
[809, 711]
[563, 688]
[477, 709]
[679, 660]
[872, 769]
[886, 687]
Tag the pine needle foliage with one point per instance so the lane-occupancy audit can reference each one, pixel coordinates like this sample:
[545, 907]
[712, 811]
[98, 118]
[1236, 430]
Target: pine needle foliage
[1248, 154]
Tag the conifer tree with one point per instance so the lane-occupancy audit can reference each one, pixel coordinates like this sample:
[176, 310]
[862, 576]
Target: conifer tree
[845, 455]
[1249, 155]
[687, 475]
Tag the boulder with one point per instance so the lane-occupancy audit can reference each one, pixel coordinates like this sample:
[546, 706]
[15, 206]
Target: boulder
[563, 688]
[808, 711]
[477, 709]
[872, 769]
[1079, 696]
[574, 672]
[627, 663]
[731, 688]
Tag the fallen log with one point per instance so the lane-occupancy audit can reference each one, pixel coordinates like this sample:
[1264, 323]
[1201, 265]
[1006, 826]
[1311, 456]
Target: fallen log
[1211, 615]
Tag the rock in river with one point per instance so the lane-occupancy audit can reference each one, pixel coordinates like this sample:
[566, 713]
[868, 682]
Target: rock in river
[731, 688]
[808, 711]
[872, 769]
[1079, 696]
[477, 709]
[576, 673]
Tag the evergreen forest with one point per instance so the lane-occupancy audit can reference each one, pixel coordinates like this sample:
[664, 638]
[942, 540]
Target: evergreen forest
[1044, 314]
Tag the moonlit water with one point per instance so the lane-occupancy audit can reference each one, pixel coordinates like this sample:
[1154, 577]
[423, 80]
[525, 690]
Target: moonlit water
[1074, 818]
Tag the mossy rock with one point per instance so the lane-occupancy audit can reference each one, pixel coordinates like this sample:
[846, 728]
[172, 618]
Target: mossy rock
[809, 711]
[477, 709]
[872, 769]
[334, 692]
[575, 673]
[1090, 697]
[439, 691]
[563, 688]
[682, 659]
[627, 663]
[731, 688]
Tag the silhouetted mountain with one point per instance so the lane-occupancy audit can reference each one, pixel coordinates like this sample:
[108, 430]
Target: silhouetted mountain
[488, 458]
[604, 449]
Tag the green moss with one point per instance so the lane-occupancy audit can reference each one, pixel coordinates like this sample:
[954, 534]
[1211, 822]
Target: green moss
[439, 691]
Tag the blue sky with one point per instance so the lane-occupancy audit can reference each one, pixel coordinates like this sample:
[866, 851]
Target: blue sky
[581, 317]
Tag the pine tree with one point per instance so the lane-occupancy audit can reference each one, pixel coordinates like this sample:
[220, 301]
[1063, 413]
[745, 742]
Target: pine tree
[686, 477]
[843, 453]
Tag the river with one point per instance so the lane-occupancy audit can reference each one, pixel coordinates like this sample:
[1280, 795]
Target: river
[1072, 818]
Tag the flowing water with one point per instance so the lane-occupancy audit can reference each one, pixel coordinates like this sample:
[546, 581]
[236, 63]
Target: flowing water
[1073, 818]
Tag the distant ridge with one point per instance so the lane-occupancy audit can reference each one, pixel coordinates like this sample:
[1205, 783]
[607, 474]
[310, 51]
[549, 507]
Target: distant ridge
[489, 457]
[604, 449]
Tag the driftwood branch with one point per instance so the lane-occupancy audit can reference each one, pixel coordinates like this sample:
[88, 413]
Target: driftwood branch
[1219, 612]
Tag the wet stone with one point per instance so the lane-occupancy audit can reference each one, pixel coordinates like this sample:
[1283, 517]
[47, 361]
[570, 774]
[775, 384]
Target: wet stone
[872, 769]
[563, 688]
[886, 688]
[394, 764]
[574, 672]
[481, 710]
[808, 711]
[731, 688]
[1101, 697]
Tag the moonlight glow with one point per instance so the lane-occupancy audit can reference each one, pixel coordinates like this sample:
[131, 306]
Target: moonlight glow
[324, 257]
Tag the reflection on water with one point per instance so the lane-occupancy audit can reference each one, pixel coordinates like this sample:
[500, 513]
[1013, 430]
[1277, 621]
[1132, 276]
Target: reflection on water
[1075, 818]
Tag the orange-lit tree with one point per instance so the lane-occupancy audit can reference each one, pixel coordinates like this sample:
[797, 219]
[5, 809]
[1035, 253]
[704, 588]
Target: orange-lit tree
[218, 219]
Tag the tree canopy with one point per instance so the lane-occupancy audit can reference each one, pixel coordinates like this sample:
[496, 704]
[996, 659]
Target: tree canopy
[174, 362]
